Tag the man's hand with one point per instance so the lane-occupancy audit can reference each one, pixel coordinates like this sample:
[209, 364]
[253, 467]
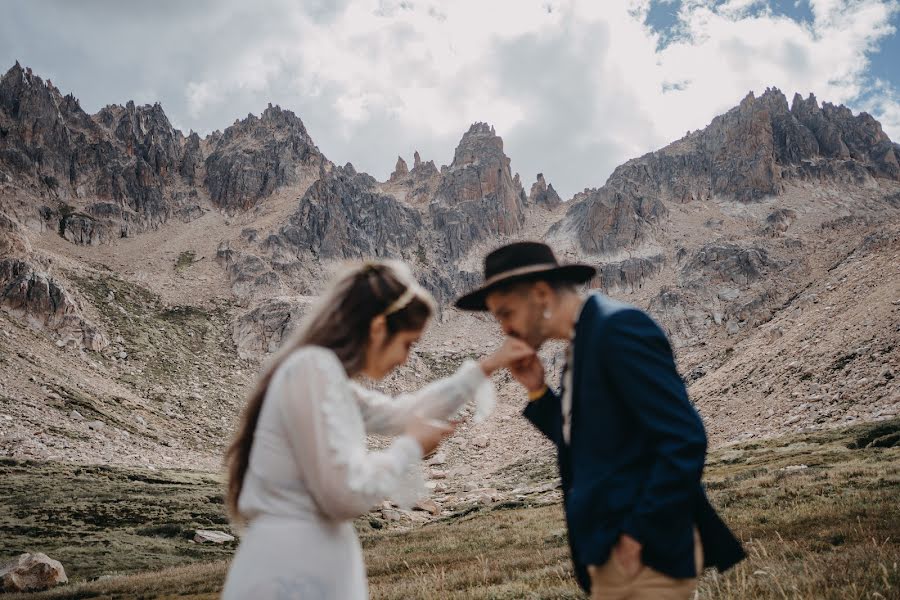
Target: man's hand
[511, 352]
[628, 553]
[529, 372]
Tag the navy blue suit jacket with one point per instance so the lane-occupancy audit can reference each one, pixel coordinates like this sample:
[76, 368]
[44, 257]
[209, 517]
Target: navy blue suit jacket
[637, 448]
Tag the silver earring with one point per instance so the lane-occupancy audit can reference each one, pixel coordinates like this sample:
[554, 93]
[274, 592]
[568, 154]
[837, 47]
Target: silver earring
[547, 314]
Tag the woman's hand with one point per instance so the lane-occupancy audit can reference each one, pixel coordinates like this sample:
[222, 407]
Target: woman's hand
[521, 360]
[428, 432]
[512, 351]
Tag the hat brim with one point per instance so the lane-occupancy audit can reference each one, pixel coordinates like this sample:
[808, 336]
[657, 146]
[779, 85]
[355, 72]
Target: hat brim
[576, 274]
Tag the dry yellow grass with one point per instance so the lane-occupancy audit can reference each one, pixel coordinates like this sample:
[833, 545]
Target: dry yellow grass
[820, 519]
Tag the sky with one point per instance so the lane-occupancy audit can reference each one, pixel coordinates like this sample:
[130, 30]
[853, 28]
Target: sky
[574, 88]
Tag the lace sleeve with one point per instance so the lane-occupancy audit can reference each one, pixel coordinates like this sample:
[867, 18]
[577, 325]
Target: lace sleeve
[441, 399]
[327, 436]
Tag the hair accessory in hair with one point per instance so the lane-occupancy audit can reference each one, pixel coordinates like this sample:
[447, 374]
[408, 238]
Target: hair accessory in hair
[413, 291]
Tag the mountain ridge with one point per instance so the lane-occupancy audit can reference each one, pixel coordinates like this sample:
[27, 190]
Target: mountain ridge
[144, 274]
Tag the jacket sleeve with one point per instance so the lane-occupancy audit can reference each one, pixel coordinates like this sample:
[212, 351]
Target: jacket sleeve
[642, 370]
[545, 414]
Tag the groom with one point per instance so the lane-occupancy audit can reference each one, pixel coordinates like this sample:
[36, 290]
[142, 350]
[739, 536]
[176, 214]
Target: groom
[631, 447]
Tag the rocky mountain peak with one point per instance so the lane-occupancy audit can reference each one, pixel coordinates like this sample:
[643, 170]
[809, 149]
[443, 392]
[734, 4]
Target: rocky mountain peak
[543, 194]
[146, 131]
[257, 155]
[480, 141]
[750, 153]
[477, 195]
[401, 170]
[26, 97]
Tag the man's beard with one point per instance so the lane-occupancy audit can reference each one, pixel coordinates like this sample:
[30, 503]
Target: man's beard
[535, 337]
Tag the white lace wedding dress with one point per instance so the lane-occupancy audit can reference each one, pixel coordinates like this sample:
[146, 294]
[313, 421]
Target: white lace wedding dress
[310, 474]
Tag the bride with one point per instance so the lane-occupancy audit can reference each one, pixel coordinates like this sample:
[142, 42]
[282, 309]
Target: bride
[299, 469]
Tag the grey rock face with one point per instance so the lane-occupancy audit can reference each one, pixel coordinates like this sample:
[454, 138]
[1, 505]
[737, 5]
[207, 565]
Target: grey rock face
[13, 241]
[477, 197]
[401, 171]
[255, 156]
[628, 275]
[745, 155]
[779, 221]
[723, 286]
[125, 155]
[101, 223]
[82, 229]
[342, 215]
[40, 300]
[263, 329]
[543, 194]
[249, 275]
[608, 219]
[727, 263]
[146, 132]
[191, 159]
[420, 183]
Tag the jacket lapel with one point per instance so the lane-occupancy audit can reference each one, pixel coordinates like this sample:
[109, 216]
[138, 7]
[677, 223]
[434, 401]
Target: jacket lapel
[583, 328]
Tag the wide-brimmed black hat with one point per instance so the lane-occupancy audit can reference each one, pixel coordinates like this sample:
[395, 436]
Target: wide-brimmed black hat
[522, 261]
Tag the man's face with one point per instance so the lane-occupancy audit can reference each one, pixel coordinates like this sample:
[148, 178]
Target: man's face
[519, 314]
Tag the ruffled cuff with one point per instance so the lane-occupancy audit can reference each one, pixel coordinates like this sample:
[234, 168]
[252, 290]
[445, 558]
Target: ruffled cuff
[480, 389]
[411, 482]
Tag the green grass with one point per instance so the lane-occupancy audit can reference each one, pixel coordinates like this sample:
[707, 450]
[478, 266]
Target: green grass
[829, 530]
[101, 520]
[185, 260]
[172, 344]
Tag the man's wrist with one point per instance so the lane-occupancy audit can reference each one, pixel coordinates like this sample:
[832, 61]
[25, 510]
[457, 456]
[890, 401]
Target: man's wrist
[487, 366]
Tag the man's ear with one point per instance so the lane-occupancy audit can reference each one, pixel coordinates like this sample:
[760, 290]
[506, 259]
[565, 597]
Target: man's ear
[542, 293]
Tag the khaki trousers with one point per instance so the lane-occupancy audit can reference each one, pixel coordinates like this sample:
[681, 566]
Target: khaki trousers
[609, 581]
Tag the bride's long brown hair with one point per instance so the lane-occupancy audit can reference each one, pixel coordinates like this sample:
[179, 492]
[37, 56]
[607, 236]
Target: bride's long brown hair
[340, 322]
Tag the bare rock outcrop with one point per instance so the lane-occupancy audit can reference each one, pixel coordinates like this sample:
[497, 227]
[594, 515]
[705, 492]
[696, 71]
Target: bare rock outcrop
[40, 300]
[477, 197]
[419, 184]
[145, 131]
[31, 573]
[723, 286]
[129, 156]
[254, 157]
[401, 171]
[627, 275]
[191, 159]
[543, 194]
[13, 241]
[343, 215]
[249, 275]
[262, 330]
[779, 221]
[610, 218]
[727, 263]
[747, 154]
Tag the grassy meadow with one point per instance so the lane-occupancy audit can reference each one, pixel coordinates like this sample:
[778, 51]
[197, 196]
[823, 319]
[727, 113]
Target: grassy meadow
[819, 514]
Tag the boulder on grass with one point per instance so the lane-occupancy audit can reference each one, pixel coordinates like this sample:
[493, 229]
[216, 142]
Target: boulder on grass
[31, 573]
[203, 536]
